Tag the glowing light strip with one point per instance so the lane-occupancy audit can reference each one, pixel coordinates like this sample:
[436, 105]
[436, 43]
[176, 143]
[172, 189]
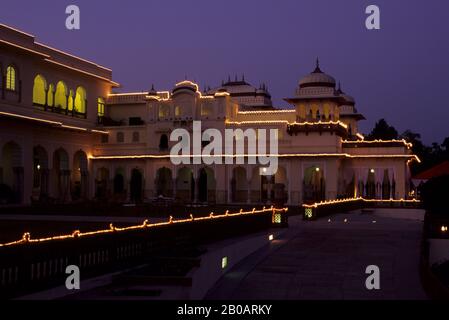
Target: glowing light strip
[30, 118]
[127, 94]
[267, 111]
[346, 155]
[73, 56]
[74, 128]
[407, 144]
[26, 238]
[360, 136]
[24, 48]
[329, 202]
[99, 131]
[288, 123]
[84, 72]
[59, 124]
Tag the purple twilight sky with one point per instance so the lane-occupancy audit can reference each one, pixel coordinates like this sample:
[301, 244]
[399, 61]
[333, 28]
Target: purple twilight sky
[400, 72]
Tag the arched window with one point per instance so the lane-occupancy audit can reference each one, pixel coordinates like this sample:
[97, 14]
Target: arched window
[80, 100]
[71, 100]
[178, 112]
[120, 137]
[11, 75]
[100, 107]
[39, 90]
[136, 136]
[50, 95]
[164, 111]
[163, 142]
[61, 95]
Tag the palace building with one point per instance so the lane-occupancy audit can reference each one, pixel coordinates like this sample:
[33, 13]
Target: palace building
[66, 137]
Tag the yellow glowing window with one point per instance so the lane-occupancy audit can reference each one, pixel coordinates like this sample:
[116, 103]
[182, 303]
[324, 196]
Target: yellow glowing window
[71, 100]
[39, 90]
[50, 95]
[80, 100]
[11, 78]
[61, 95]
[178, 111]
[100, 107]
[163, 111]
[224, 262]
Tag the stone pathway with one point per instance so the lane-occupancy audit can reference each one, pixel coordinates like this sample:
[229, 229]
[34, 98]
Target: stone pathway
[327, 260]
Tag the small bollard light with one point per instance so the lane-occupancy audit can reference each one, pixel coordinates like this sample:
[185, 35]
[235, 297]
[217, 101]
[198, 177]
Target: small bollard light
[443, 228]
[271, 237]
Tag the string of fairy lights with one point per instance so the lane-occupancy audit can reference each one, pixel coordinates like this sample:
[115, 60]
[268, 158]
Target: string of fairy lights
[26, 238]
[338, 201]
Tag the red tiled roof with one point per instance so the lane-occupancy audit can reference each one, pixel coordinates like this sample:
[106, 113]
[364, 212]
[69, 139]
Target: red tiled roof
[436, 171]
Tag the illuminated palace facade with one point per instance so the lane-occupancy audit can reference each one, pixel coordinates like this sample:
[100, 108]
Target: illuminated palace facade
[66, 137]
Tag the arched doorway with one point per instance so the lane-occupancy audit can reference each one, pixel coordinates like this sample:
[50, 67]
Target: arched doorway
[119, 182]
[206, 185]
[239, 185]
[280, 187]
[313, 185]
[80, 175]
[61, 175]
[370, 186]
[185, 185]
[101, 183]
[386, 186]
[11, 174]
[164, 182]
[40, 173]
[163, 143]
[136, 186]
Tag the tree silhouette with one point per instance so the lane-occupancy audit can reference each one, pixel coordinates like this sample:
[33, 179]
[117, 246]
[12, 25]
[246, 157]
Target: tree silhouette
[383, 131]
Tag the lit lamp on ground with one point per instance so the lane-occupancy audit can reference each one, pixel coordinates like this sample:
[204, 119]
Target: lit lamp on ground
[280, 218]
[309, 213]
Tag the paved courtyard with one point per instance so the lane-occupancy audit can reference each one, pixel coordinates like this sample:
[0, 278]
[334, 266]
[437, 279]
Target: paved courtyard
[327, 260]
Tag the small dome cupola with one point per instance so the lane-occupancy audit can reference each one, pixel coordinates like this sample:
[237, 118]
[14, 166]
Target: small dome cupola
[317, 78]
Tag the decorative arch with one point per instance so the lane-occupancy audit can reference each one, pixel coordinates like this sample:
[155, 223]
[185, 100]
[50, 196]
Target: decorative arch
[61, 175]
[119, 182]
[40, 90]
[61, 95]
[163, 142]
[164, 182]
[101, 183]
[206, 185]
[40, 173]
[11, 173]
[136, 185]
[314, 185]
[185, 185]
[239, 185]
[80, 175]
